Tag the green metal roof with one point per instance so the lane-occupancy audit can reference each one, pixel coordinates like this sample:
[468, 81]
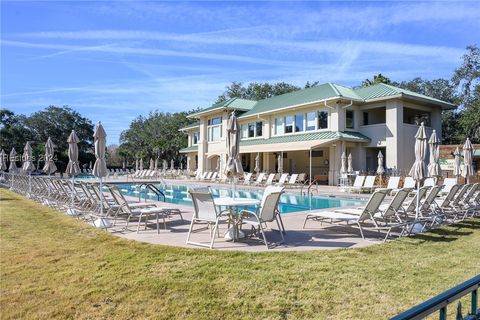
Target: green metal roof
[381, 90]
[301, 97]
[191, 126]
[232, 103]
[322, 135]
[189, 149]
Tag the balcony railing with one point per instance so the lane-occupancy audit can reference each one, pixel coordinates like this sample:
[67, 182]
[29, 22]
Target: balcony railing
[440, 303]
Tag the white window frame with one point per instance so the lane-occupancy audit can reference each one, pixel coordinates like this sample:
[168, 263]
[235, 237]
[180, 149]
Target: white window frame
[211, 128]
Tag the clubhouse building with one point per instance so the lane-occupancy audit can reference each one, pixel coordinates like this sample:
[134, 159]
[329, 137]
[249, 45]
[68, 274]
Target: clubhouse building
[311, 128]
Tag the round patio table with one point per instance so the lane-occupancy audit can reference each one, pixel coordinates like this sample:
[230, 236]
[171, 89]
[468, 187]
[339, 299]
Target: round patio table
[234, 203]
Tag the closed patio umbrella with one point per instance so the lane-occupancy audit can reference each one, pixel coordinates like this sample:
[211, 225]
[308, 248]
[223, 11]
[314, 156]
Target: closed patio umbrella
[419, 171]
[164, 165]
[73, 167]
[12, 168]
[141, 164]
[172, 164]
[3, 163]
[136, 165]
[152, 164]
[233, 167]
[188, 163]
[280, 163]
[27, 158]
[467, 169]
[380, 168]
[28, 165]
[100, 168]
[343, 163]
[49, 166]
[257, 163]
[155, 166]
[217, 168]
[350, 164]
[90, 165]
[457, 170]
[434, 169]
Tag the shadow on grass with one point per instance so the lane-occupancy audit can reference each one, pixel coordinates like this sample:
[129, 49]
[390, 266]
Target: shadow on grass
[449, 233]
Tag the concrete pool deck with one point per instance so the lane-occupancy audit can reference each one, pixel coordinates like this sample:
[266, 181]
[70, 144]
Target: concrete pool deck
[314, 237]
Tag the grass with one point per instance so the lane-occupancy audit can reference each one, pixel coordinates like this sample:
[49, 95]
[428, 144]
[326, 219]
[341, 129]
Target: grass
[53, 266]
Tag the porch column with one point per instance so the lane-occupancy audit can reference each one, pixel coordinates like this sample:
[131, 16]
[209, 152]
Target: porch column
[335, 153]
[395, 156]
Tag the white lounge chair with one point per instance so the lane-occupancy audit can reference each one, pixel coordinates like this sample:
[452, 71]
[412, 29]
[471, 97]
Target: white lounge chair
[369, 214]
[248, 178]
[270, 178]
[448, 183]
[260, 178]
[409, 183]
[283, 179]
[357, 184]
[292, 181]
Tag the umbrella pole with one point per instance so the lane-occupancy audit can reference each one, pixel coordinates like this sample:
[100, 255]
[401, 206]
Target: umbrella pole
[30, 184]
[417, 213]
[73, 188]
[101, 198]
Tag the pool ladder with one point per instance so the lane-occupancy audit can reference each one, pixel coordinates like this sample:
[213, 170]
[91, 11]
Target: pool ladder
[152, 188]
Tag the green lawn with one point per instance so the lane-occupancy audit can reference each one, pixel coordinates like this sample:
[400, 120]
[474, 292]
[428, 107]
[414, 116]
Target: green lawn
[53, 266]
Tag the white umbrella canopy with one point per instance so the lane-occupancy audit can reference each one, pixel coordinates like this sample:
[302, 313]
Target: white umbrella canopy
[100, 167]
[343, 163]
[419, 170]
[164, 165]
[467, 169]
[457, 171]
[233, 166]
[27, 158]
[152, 164]
[188, 163]
[257, 163]
[155, 166]
[350, 164]
[100, 140]
[49, 166]
[172, 164]
[141, 164]
[3, 163]
[380, 168]
[280, 163]
[136, 164]
[434, 169]
[217, 168]
[12, 168]
[73, 167]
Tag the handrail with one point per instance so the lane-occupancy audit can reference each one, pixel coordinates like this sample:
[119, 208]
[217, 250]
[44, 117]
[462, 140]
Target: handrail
[154, 189]
[440, 302]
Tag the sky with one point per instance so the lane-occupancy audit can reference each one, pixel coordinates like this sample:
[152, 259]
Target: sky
[115, 60]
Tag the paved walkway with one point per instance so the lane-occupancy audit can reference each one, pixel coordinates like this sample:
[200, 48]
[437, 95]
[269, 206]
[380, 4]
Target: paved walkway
[314, 237]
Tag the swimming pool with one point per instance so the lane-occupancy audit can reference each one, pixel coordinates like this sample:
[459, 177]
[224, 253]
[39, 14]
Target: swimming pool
[289, 202]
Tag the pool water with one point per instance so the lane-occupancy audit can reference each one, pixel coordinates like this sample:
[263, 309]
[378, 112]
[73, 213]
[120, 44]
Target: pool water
[289, 202]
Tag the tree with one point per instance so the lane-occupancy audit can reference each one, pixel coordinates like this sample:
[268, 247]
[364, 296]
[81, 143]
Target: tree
[155, 136]
[258, 91]
[53, 122]
[379, 78]
[470, 118]
[468, 74]
[13, 131]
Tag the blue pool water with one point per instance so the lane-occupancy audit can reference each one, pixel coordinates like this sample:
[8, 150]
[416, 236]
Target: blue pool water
[289, 202]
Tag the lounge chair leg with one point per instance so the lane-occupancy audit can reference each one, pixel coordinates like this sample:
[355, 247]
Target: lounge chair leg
[361, 231]
[139, 221]
[305, 221]
[280, 230]
[190, 229]
[281, 222]
[213, 237]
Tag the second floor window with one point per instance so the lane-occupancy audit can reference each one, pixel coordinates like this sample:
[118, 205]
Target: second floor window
[252, 130]
[349, 120]
[279, 126]
[288, 124]
[322, 120]
[310, 121]
[195, 138]
[214, 129]
[299, 122]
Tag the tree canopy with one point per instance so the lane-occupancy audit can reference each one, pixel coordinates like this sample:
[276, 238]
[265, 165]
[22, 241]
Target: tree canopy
[54, 122]
[155, 136]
